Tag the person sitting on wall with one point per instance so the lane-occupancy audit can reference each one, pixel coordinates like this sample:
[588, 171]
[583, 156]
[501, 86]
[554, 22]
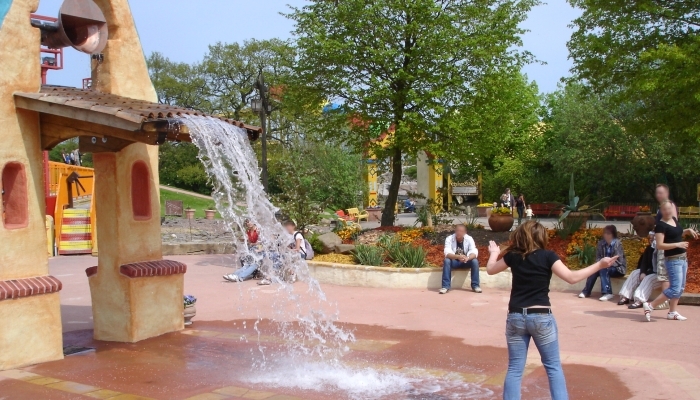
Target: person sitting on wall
[609, 246]
[460, 252]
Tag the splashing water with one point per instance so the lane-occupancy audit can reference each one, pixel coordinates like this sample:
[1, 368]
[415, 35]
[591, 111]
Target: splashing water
[314, 343]
[239, 195]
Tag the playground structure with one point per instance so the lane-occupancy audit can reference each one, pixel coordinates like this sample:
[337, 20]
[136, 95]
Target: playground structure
[135, 293]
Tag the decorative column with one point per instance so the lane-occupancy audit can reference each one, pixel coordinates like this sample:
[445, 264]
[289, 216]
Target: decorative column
[30, 307]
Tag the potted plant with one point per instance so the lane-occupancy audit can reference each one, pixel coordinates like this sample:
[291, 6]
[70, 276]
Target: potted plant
[189, 212]
[190, 310]
[483, 210]
[576, 213]
[501, 219]
[210, 212]
[643, 222]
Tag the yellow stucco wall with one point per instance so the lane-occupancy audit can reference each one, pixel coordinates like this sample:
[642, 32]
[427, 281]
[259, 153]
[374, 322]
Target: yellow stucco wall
[128, 309]
[23, 252]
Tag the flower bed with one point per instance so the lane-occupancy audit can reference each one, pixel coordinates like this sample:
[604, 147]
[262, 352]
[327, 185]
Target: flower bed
[432, 240]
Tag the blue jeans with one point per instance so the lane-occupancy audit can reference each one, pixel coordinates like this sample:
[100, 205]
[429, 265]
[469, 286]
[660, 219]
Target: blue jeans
[677, 270]
[605, 285]
[449, 264]
[542, 328]
[246, 272]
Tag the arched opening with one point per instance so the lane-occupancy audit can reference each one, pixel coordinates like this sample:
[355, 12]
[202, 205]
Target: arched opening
[15, 208]
[141, 191]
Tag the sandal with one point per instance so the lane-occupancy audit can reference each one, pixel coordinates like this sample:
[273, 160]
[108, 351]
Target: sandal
[623, 301]
[647, 311]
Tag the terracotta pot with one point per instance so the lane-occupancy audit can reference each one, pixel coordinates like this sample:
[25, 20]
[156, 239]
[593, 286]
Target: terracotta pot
[643, 223]
[189, 313]
[209, 214]
[578, 218]
[483, 211]
[501, 223]
[189, 213]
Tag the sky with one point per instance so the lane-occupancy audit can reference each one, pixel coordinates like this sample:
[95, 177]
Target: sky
[182, 29]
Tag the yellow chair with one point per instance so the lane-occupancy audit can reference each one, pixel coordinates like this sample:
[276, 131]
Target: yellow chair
[357, 215]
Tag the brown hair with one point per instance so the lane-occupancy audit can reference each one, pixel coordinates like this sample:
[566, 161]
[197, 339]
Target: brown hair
[529, 236]
[611, 229]
[662, 185]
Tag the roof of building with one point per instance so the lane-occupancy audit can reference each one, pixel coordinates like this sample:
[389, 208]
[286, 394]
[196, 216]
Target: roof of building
[115, 111]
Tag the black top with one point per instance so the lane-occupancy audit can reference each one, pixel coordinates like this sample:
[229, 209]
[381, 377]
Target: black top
[672, 234]
[646, 261]
[520, 203]
[531, 276]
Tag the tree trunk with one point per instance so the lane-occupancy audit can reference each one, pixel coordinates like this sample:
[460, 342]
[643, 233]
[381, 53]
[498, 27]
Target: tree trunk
[388, 212]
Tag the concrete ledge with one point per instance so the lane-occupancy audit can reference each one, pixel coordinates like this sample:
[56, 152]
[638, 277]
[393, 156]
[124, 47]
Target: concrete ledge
[690, 299]
[192, 248]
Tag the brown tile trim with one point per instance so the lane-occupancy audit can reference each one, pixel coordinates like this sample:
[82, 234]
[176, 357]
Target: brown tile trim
[153, 268]
[91, 271]
[16, 288]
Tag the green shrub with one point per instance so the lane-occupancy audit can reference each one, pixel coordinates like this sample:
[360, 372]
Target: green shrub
[409, 256]
[369, 255]
[585, 255]
[315, 243]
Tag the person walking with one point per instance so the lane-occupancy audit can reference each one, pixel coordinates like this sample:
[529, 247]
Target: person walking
[529, 309]
[520, 206]
[645, 267]
[669, 238]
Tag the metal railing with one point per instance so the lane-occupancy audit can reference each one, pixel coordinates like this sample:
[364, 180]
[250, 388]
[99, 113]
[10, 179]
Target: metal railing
[57, 169]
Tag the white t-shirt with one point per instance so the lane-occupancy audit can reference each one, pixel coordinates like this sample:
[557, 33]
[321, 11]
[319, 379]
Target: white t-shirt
[297, 237]
[528, 212]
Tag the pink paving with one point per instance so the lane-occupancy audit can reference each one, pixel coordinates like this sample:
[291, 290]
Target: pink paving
[608, 351]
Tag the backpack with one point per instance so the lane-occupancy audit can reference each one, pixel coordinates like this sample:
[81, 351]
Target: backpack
[306, 249]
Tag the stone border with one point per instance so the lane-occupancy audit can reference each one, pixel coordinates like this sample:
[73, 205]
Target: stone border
[194, 248]
[431, 279]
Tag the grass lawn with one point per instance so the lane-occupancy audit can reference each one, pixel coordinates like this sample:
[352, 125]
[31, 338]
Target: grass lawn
[198, 203]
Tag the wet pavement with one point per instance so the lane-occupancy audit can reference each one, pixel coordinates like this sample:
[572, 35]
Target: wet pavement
[411, 344]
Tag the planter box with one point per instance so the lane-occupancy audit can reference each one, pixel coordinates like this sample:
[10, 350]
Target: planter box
[375, 214]
[483, 212]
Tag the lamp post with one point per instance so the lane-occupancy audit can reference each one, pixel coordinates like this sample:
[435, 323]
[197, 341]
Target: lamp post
[261, 106]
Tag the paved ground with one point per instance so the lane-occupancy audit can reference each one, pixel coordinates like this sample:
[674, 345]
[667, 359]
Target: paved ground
[429, 346]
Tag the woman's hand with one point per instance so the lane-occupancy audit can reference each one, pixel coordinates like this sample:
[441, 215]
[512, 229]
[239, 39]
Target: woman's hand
[493, 247]
[682, 245]
[691, 232]
[606, 262]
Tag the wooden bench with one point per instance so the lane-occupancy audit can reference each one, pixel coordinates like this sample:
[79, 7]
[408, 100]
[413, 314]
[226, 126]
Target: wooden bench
[545, 210]
[612, 212]
[358, 216]
[688, 213]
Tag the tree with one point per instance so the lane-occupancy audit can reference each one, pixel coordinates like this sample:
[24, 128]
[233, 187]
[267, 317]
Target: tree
[648, 51]
[407, 66]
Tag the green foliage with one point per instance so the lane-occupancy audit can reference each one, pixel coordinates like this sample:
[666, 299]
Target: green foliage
[316, 243]
[423, 67]
[409, 256]
[404, 255]
[650, 50]
[411, 172]
[369, 255]
[585, 254]
[313, 177]
[179, 166]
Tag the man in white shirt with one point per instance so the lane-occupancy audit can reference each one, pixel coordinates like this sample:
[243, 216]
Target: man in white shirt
[460, 252]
